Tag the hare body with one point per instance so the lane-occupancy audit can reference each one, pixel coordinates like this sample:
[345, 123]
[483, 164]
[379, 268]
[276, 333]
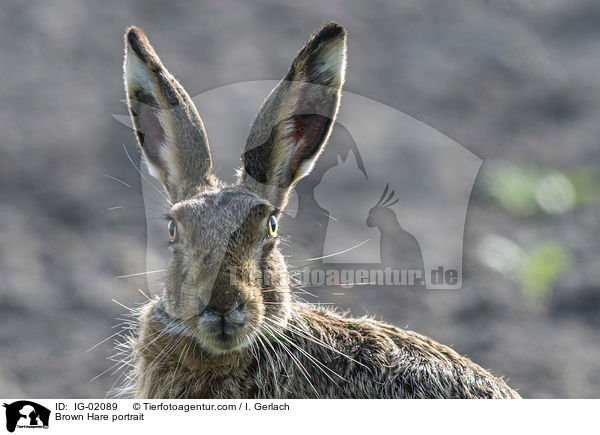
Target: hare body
[226, 324]
[319, 355]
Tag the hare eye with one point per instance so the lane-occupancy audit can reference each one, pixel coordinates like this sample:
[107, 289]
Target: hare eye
[172, 227]
[272, 226]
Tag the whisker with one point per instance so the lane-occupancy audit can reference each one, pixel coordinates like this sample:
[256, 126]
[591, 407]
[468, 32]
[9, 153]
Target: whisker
[340, 252]
[118, 181]
[315, 340]
[124, 306]
[145, 179]
[313, 359]
[296, 361]
[119, 207]
[98, 344]
[139, 274]
[144, 293]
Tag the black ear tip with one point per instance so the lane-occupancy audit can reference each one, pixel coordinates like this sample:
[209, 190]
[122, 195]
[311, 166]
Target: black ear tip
[137, 41]
[329, 35]
[133, 35]
[331, 30]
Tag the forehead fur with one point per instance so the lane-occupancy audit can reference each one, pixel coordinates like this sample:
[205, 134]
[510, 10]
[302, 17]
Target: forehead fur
[211, 218]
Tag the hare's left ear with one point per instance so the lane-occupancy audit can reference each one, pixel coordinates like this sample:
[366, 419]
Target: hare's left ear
[295, 121]
[167, 125]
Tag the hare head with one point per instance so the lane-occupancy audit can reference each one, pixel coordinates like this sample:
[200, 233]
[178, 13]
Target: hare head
[227, 279]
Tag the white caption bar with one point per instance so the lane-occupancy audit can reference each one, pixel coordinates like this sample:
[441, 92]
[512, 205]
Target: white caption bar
[44, 416]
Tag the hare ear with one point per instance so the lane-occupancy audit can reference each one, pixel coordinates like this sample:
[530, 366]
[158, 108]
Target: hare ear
[166, 122]
[295, 121]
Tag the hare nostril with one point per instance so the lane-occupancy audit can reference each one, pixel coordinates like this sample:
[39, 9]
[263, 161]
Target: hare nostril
[214, 312]
[221, 312]
[223, 320]
[208, 311]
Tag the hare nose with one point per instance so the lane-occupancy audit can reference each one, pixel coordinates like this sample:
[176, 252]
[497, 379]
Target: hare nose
[222, 311]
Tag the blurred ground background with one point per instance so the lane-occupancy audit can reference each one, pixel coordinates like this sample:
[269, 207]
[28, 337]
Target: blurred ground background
[514, 82]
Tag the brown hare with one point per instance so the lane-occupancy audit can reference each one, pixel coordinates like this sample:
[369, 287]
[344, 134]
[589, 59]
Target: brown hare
[226, 324]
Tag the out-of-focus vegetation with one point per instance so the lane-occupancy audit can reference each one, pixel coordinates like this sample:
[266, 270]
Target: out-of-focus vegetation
[543, 264]
[525, 191]
[536, 269]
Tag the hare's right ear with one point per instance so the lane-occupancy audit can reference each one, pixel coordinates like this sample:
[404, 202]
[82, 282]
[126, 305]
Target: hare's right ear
[166, 122]
[295, 121]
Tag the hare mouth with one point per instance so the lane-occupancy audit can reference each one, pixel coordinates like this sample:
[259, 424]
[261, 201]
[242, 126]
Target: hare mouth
[222, 343]
[223, 334]
[221, 323]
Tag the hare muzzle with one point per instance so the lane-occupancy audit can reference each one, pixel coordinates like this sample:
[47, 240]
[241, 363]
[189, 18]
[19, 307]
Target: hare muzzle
[223, 323]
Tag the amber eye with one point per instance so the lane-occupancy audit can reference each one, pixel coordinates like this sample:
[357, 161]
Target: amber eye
[172, 227]
[272, 226]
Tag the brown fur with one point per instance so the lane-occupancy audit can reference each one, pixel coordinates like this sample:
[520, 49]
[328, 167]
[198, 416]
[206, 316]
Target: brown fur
[226, 324]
